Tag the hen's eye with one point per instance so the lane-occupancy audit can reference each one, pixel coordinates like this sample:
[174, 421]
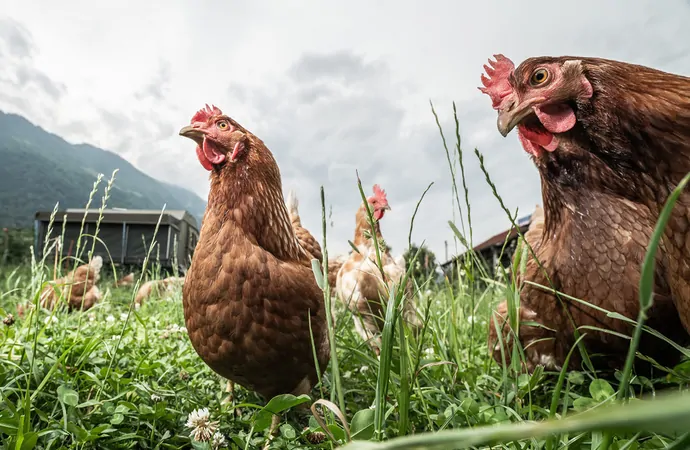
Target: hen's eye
[539, 77]
[223, 125]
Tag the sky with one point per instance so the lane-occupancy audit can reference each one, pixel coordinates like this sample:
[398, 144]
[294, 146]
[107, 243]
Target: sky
[331, 88]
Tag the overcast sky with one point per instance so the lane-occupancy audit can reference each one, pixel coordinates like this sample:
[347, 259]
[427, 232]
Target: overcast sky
[330, 88]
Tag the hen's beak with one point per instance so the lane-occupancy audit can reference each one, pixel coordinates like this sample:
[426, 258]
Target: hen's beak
[513, 114]
[195, 134]
[387, 207]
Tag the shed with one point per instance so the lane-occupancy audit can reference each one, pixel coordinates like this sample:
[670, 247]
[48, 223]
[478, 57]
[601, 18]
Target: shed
[124, 235]
[490, 250]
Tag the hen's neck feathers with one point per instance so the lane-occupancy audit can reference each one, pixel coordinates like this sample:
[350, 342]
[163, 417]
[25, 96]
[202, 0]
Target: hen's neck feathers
[632, 139]
[362, 226]
[638, 119]
[248, 196]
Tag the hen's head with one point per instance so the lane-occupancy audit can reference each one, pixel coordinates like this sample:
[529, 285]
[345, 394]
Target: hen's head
[539, 97]
[378, 202]
[218, 137]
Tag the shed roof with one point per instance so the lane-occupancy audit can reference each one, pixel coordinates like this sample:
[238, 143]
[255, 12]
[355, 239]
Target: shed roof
[120, 215]
[498, 239]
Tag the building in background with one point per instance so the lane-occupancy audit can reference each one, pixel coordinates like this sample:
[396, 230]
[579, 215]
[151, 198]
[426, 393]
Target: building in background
[489, 251]
[124, 236]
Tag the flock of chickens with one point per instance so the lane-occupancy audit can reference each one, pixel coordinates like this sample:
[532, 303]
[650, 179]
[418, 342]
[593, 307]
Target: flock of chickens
[610, 139]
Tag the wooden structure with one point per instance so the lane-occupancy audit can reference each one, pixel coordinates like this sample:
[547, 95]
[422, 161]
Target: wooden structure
[124, 235]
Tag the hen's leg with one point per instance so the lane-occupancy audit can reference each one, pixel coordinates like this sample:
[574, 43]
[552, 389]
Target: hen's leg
[275, 421]
[230, 399]
[367, 328]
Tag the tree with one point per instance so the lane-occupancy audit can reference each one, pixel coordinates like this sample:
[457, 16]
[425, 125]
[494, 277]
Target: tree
[425, 265]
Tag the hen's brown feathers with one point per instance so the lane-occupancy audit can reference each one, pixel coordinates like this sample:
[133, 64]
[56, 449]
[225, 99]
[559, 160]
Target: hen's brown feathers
[250, 294]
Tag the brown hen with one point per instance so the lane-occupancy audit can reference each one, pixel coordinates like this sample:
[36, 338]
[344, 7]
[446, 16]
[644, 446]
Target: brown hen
[610, 141]
[77, 289]
[250, 296]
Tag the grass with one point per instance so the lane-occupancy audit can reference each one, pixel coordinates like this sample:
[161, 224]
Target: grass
[117, 376]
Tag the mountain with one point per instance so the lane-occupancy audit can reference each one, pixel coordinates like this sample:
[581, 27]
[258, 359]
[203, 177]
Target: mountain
[39, 169]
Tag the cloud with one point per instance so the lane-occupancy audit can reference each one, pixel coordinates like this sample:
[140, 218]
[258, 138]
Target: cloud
[16, 38]
[20, 79]
[331, 115]
[330, 91]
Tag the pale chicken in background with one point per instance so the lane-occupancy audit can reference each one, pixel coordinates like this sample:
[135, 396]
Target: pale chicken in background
[360, 285]
[77, 289]
[127, 280]
[158, 287]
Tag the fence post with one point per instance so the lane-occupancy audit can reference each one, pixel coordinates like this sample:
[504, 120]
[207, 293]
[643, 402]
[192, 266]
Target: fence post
[6, 251]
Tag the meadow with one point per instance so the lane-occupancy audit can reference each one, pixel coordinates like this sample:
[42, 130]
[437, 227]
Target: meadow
[120, 376]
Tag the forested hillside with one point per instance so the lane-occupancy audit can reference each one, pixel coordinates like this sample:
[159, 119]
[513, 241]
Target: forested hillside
[38, 169]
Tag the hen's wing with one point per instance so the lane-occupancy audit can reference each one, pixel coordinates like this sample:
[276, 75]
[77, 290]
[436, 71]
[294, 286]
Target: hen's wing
[263, 339]
[304, 237]
[395, 269]
[595, 255]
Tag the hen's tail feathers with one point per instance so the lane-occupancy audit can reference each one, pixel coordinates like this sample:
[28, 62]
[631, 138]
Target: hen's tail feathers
[400, 261]
[96, 263]
[292, 204]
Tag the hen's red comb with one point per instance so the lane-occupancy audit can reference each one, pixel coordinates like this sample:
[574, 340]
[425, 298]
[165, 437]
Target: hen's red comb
[497, 84]
[206, 113]
[379, 193]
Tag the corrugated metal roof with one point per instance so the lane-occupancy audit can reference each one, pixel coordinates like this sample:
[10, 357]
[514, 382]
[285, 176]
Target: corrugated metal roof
[119, 215]
[498, 239]
[176, 213]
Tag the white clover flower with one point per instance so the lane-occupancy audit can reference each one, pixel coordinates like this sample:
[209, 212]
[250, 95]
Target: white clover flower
[470, 319]
[50, 319]
[363, 369]
[155, 398]
[218, 440]
[202, 427]
[123, 316]
[175, 328]
[429, 352]
[92, 317]
[110, 318]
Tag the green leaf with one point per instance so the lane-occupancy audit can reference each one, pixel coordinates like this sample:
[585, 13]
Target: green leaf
[318, 275]
[67, 396]
[145, 410]
[30, 440]
[583, 403]
[576, 378]
[117, 418]
[276, 405]
[600, 390]
[200, 445]
[287, 431]
[362, 425]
